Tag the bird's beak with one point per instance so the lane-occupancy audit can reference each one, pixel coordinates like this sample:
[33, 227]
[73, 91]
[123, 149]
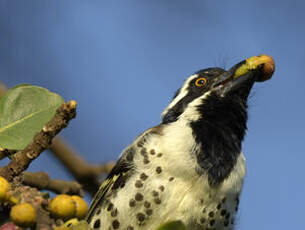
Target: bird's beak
[241, 77]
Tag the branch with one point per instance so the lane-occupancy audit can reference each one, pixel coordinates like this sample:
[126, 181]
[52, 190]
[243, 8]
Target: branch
[87, 175]
[6, 153]
[41, 180]
[42, 140]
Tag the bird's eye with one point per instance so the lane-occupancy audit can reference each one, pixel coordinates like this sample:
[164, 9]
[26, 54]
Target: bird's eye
[201, 82]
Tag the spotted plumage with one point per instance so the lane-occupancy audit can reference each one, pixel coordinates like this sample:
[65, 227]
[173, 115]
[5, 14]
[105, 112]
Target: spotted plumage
[190, 167]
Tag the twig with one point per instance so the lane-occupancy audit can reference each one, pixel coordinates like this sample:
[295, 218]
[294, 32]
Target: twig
[41, 180]
[6, 153]
[87, 175]
[42, 140]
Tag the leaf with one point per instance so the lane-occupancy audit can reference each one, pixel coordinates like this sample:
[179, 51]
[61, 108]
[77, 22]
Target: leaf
[173, 225]
[24, 110]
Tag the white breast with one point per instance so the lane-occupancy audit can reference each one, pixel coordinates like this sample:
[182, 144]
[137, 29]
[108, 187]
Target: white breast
[187, 195]
[173, 188]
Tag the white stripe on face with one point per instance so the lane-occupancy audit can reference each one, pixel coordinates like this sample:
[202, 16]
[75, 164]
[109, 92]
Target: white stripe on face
[182, 93]
[191, 113]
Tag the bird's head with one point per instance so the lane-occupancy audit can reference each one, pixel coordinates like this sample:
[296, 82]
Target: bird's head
[213, 103]
[216, 89]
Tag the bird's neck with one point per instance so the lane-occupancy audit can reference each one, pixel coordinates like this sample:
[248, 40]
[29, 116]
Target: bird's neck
[219, 133]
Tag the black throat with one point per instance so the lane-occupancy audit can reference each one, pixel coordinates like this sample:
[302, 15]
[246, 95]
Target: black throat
[220, 133]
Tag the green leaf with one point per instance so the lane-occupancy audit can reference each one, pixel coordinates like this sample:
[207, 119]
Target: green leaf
[24, 110]
[173, 225]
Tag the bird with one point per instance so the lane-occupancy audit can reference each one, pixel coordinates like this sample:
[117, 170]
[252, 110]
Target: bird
[190, 167]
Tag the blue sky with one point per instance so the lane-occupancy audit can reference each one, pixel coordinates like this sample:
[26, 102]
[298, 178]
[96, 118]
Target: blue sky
[123, 60]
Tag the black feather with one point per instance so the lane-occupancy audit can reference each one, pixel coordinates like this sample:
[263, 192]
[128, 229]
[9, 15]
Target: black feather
[220, 132]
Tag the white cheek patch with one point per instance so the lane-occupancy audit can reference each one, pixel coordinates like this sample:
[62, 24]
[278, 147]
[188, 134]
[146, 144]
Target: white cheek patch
[182, 93]
[191, 112]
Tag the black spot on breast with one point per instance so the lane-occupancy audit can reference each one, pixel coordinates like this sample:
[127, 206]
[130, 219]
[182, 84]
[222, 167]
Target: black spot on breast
[147, 204]
[211, 214]
[155, 193]
[138, 197]
[171, 178]
[219, 206]
[149, 212]
[130, 228]
[157, 200]
[132, 203]
[152, 152]
[161, 188]
[97, 224]
[98, 212]
[143, 152]
[143, 139]
[115, 224]
[212, 222]
[110, 206]
[114, 212]
[146, 161]
[226, 223]
[130, 154]
[158, 169]
[143, 176]
[140, 217]
[138, 184]
[202, 220]
[159, 155]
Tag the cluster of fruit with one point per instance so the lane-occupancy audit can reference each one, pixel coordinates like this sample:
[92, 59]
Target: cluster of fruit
[65, 207]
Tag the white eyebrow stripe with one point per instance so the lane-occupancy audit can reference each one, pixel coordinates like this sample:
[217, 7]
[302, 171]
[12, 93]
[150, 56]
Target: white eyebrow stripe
[182, 93]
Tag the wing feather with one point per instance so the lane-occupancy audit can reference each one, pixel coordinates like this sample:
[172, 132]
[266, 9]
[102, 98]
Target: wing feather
[117, 177]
